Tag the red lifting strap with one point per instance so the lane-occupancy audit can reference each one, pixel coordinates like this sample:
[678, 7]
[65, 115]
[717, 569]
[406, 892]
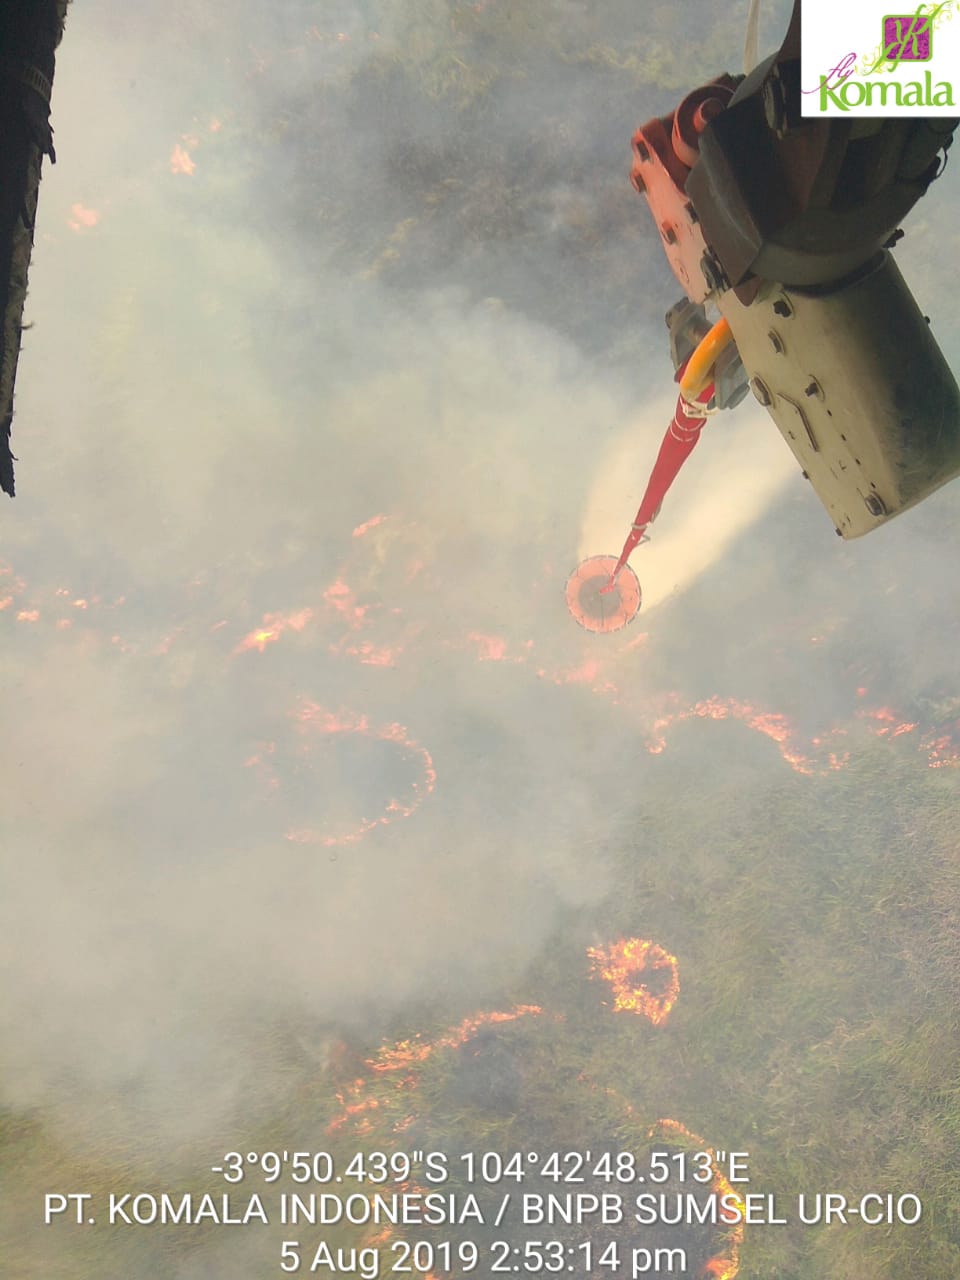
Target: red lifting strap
[682, 434]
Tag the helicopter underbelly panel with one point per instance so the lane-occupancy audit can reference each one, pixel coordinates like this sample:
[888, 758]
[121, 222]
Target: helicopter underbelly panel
[859, 388]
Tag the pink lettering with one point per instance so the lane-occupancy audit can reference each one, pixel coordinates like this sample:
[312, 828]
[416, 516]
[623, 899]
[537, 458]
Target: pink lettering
[842, 70]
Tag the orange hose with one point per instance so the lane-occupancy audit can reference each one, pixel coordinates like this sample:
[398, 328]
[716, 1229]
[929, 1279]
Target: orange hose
[699, 370]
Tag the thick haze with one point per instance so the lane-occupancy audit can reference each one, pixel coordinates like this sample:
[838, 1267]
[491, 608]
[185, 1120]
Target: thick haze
[269, 307]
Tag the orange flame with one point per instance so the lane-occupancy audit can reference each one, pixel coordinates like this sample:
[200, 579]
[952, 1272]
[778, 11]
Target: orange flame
[887, 719]
[367, 525]
[271, 629]
[490, 648]
[24, 607]
[373, 655]
[619, 964]
[624, 958]
[817, 755]
[81, 218]
[408, 1053]
[181, 161]
[311, 718]
[343, 599]
[725, 1264]
[772, 725]
[403, 1055]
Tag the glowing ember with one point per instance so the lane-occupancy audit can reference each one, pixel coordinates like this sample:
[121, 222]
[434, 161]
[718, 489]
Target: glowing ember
[312, 721]
[621, 962]
[595, 608]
